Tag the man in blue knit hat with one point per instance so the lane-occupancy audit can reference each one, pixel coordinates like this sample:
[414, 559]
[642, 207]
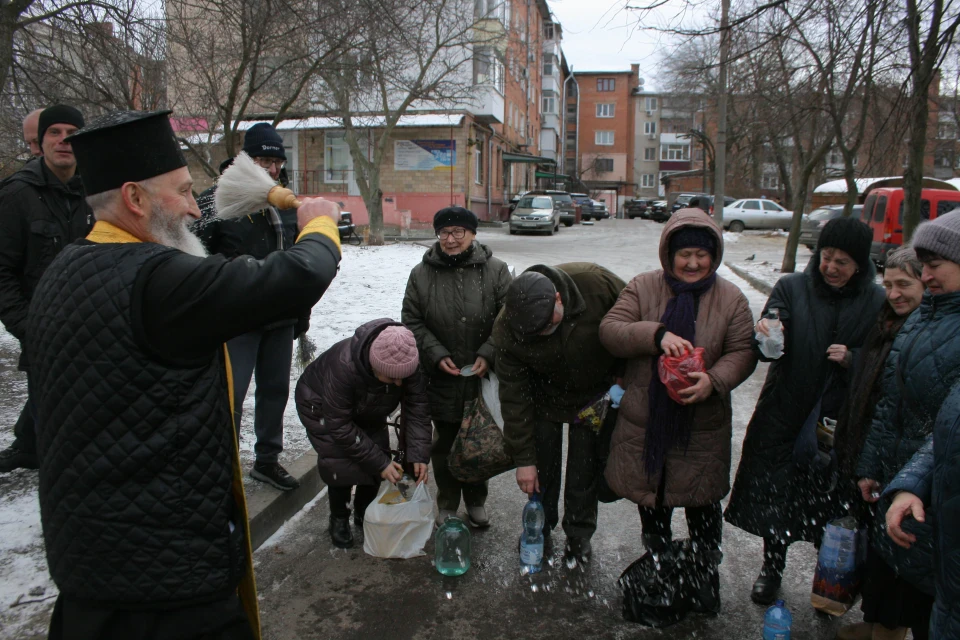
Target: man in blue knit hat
[268, 351]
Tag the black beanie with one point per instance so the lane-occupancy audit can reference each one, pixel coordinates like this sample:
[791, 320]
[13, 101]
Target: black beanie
[529, 303]
[58, 114]
[697, 237]
[455, 217]
[850, 235]
[263, 141]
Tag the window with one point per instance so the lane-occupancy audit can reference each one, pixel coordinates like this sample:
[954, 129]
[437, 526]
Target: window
[548, 105]
[651, 104]
[881, 209]
[548, 31]
[650, 127]
[606, 84]
[771, 206]
[548, 65]
[650, 153]
[674, 152]
[488, 69]
[770, 181]
[646, 181]
[572, 136]
[572, 109]
[478, 162]
[946, 206]
[751, 205]
[604, 138]
[605, 110]
[491, 9]
[337, 162]
[604, 164]
[835, 158]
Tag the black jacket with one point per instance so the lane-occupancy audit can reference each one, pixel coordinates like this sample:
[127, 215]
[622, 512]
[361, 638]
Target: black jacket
[934, 475]
[140, 494]
[252, 235]
[39, 216]
[771, 496]
[345, 408]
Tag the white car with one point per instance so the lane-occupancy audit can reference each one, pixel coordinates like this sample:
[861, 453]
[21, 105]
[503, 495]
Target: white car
[755, 213]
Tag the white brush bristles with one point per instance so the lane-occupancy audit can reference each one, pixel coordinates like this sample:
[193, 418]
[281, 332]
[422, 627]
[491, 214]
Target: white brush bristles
[243, 188]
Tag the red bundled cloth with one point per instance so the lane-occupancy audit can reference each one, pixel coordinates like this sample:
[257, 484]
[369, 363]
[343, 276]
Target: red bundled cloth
[675, 371]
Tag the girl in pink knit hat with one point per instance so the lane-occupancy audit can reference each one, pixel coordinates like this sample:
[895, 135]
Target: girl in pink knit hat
[344, 398]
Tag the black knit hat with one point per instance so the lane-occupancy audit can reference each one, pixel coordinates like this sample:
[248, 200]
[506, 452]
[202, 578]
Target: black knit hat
[697, 237]
[850, 235]
[58, 114]
[263, 141]
[125, 146]
[455, 217]
[529, 304]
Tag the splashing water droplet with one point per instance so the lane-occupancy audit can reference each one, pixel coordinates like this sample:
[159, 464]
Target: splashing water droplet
[589, 594]
[571, 562]
[533, 588]
[449, 596]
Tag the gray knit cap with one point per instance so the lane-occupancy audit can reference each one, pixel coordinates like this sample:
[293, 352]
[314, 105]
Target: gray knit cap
[940, 236]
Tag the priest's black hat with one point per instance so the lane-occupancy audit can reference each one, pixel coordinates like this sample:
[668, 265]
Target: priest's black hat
[125, 146]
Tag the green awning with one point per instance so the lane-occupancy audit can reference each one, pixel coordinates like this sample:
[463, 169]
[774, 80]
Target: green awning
[544, 174]
[522, 157]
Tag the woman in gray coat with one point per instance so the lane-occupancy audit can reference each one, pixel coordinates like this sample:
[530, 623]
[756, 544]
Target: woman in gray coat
[451, 301]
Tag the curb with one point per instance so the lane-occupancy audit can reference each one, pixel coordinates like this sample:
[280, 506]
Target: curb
[269, 508]
[755, 282]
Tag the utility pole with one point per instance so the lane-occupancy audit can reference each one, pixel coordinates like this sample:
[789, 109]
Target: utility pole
[721, 146]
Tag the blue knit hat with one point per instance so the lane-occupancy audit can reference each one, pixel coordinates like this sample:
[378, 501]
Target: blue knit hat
[263, 141]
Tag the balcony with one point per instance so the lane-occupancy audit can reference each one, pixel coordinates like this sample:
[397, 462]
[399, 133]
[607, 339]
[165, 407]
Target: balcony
[551, 83]
[490, 33]
[487, 105]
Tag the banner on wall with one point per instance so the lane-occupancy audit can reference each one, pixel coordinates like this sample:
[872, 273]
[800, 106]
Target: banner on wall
[424, 155]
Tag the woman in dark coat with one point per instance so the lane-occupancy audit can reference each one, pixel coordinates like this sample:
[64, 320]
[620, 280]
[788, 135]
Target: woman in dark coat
[451, 302]
[826, 312]
[344, 398]
[889, 601]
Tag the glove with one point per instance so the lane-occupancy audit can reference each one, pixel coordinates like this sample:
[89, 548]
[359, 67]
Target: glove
[616, 395]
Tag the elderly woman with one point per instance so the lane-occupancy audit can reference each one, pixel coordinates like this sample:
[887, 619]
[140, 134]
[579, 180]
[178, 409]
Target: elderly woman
[923, 365]
[666, 454]
[451, 301]
[826, 312]
[889, 602]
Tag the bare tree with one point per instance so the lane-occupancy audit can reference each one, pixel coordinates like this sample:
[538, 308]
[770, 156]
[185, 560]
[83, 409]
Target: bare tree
[403, 56]
[931, 27]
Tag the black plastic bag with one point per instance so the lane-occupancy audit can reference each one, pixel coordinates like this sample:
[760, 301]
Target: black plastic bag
[659, 588]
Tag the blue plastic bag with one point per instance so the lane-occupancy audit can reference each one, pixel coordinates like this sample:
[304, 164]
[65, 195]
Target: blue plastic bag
[839, 574]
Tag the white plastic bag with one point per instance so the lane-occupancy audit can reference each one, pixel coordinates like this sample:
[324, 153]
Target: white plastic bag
[490, 391]
[398, 530]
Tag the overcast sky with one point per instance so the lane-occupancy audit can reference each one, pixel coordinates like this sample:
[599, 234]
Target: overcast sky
[599, 35]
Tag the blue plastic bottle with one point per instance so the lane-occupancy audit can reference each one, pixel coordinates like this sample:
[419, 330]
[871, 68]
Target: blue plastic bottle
[777, 622]
[531, 540]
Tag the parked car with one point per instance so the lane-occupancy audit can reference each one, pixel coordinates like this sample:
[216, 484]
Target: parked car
[817, 219]
[658, 211]
[599, 211]
[683, 201]
[755, 213]
[636, 207]
[883, 211]
[705, 202]
[563, 203]
[583, 201]
[535, 213]
[515, 199]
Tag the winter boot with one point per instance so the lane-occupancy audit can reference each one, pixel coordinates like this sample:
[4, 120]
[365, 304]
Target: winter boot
[706, 583]
[767, 585]
[340, 533]
[578, 549]
[477, 517]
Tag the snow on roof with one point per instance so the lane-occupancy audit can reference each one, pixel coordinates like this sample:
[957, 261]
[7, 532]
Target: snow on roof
[325, 122]
[955, 182]
[840, 186]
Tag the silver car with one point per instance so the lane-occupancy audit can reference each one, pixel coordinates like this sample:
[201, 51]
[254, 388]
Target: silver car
[755, 213]
[535, 213]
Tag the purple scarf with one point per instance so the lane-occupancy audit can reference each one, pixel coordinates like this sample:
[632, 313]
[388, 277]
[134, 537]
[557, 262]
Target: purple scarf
[669, 422]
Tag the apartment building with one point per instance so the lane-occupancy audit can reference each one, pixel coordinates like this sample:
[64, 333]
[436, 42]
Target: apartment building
[605, 131]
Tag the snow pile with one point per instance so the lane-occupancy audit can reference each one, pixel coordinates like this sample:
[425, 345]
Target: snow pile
[729, 237]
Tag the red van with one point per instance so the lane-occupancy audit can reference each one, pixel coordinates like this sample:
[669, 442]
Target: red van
[883, 211]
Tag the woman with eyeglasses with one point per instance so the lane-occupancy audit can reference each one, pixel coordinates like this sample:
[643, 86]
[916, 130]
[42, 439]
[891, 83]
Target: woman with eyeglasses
[452, 298]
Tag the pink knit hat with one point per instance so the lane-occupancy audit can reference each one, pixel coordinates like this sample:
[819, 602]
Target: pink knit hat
[394, 353]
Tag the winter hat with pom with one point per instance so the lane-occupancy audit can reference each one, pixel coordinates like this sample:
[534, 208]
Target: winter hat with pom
[394, 353]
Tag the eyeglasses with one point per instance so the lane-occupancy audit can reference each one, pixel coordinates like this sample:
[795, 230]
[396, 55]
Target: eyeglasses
[457, 232]
[266, 163]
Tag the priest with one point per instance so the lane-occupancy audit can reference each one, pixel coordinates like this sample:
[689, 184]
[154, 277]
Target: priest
[141, 498]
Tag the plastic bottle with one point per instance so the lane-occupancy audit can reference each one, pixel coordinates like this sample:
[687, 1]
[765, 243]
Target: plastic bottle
[531, 540]
[777, 622]
[772, 346]
[452, 547]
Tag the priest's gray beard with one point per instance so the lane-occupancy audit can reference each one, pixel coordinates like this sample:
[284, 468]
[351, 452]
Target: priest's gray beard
[172, 230]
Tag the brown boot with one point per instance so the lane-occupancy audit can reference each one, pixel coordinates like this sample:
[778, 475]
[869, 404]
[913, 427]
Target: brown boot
[859, 631]
[880, 632]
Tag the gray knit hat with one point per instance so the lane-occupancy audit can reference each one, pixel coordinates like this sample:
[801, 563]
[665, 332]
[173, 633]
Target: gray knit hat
[940, 236]
[529, 303]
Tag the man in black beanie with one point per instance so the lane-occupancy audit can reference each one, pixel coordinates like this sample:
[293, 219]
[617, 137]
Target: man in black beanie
[268, 351]
[42, 209]
[551, 365]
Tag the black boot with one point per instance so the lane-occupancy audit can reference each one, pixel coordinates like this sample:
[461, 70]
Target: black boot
[706, 583]
[767, 586]
[340, 533]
